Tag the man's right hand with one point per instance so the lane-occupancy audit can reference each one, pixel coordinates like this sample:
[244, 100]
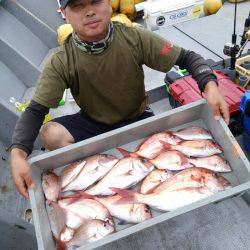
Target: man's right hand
[21, 171]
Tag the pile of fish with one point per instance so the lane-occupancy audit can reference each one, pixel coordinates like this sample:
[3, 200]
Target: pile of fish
[169, 170]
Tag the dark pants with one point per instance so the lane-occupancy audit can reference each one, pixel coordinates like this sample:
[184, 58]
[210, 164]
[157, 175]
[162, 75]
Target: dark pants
[82, 127]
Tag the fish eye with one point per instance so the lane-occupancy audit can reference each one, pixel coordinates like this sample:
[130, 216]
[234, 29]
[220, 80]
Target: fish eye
[108, 221]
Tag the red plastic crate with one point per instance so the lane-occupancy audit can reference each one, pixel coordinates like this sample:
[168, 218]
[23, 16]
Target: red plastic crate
[185, 90]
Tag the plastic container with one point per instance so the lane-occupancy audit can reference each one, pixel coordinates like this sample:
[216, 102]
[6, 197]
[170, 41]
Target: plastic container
[162, 13]
[185, 90]
[246, 65]
[240, 68]
[128, 137]
[243, 81]
[245, 110]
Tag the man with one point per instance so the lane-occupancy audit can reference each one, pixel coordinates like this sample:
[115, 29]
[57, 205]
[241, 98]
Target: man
[101, 63]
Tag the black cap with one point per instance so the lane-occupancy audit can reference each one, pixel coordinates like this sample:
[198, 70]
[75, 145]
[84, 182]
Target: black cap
[64, 3]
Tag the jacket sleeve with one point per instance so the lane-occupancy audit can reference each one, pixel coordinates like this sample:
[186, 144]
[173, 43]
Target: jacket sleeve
[197, 67]
[28, 126]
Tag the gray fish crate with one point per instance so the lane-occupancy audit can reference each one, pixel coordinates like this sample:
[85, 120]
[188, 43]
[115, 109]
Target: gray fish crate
[198, 113]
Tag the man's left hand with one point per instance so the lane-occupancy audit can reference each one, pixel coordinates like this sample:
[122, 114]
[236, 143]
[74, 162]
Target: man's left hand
[217, 102]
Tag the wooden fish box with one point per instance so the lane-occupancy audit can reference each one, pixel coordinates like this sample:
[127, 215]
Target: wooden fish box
[128, 137]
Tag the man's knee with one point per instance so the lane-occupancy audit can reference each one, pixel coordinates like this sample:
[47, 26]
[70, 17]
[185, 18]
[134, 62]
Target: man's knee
[49, 133]
[53, 135]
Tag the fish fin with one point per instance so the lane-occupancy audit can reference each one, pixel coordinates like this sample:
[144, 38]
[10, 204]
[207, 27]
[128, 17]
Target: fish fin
[73, 198]
[137, 188]
[128, 196]
[199, 179]
[121, 191]
[183, 159]
[141, 143]
[166, 145]
[122, 222]
[137, 155]
[123, 152]
[60, 216]
[85, 195]
[125, 200]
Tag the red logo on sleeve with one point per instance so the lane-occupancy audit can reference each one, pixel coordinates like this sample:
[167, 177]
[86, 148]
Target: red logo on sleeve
[166, 48]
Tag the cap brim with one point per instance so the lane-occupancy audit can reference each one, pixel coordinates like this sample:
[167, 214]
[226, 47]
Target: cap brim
[64, 3]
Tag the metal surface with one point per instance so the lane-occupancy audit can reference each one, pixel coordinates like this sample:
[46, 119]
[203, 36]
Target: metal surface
[216, 30]
[219, 226]
[27, 45]
[16, 233]
[10, 200]
[128, 137]
[45, 11]
[39, 27]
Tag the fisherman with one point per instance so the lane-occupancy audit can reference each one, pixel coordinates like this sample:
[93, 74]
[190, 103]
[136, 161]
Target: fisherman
[101, 62]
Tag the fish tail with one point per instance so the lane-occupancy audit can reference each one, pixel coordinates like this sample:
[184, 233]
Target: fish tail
[136, 155]
[123, 152]
[85, 195]
[128, 196]
[166, 145]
